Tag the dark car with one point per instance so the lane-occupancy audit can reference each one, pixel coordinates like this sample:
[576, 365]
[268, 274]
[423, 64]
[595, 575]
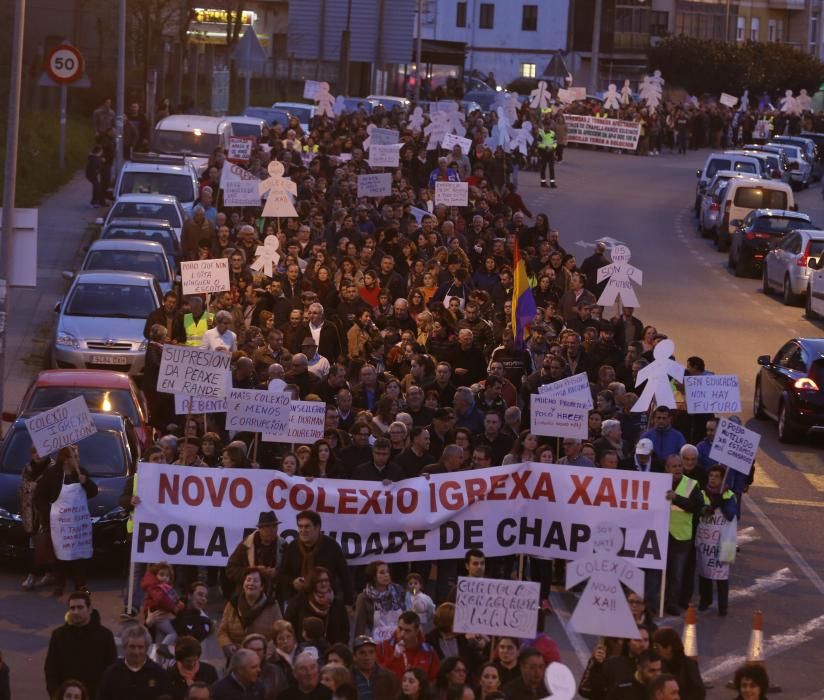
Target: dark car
[789, 388]
[109, 455]
[271, 116]
[758, 231]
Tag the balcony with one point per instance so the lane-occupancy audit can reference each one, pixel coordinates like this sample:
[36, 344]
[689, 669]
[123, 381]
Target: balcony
[786, 4]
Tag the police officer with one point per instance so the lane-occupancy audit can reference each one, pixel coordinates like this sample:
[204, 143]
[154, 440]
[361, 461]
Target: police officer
[547, 144]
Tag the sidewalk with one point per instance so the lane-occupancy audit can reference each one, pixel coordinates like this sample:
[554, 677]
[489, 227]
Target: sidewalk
[62, 232]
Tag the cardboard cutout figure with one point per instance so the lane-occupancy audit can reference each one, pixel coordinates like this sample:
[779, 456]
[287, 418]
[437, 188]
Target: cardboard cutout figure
[267, 256]
[651, 89]
[621, 276]
[540, 96]
[325, 102]
[744, 102]
[560, 682]
[416, 120]
[436, 129]
[611, 100]
[522, 138]
[277, 189]
[657, 377]
[500, 132]
[789, 105]
[626, 93]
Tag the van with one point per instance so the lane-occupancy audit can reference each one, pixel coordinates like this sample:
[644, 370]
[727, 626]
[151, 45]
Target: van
[746, 195]
[722, 161]
[191, 135]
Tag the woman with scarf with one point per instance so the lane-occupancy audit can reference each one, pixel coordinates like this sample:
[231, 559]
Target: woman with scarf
[251, 610]
[188, 668]
[379, 606]
[317, 599]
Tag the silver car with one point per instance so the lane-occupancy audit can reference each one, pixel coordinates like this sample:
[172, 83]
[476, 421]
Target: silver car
[131, 256]
[709, 213]
[139, 206]
[785, 266]
[101, 320]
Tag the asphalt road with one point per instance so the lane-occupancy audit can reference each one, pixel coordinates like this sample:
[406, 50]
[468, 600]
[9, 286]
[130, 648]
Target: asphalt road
[689, 294]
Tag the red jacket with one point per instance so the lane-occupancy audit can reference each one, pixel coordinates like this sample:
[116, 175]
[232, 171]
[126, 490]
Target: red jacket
[159, 596]
[423, 657]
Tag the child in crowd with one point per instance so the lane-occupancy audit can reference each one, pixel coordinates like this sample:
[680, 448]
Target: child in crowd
[161, 604]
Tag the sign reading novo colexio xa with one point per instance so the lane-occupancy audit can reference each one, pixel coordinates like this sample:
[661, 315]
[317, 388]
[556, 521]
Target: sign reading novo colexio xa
[192, 515]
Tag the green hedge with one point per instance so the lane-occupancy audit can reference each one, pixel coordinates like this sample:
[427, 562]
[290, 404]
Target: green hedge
[37, 171]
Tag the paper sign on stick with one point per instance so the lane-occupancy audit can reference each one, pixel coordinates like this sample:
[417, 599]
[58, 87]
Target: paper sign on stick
[497, 607]
[60, 426]
[558, 417]
[375, 185]
[602, 608]
[574, 388]
[452, 140]
[713, 393]
[384, 156]
[310, 89]
[205, 276]
[257, 411]
[452, 194]
[240, 187]
[198, 405]
[240, 148]
[384, 137]
[734, 446]
[728, 100]
[305, 423]
[195, 372]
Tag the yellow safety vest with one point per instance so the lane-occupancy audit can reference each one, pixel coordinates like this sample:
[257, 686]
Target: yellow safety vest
[195, 330]
[680, 527]
[130, 521]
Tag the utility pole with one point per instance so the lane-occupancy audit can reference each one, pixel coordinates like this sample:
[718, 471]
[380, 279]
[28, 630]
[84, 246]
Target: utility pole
[596, 47]
[418, 51]
[121, 90]
[9, 185]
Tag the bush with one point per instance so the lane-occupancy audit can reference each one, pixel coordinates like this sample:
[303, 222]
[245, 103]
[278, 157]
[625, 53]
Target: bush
[37, 171]
[703, 66]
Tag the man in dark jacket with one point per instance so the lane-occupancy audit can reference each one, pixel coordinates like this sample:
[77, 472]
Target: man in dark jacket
[312, 548]
[263, 548]
[81, 648]
[135, 676]
[372, 680]
[379, 468]
[530, 685]
[168, 317]
[243, 680]
[590, 267]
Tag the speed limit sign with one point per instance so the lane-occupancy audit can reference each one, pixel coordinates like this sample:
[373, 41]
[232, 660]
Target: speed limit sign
[64, 64]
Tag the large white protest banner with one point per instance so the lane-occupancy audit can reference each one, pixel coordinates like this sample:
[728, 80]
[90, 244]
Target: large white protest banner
[599, 131]
[240, 187]
[384, 156]
[734, 446]
[198, 404]
[554, 417]
[574, 388]
[375, 185]
[62, 425]
[383, 137]
[497, 607]
[205, 276]
[452, 194]
[194, 372]
[257, 411]
[713, 393]
[191, 515]
[451, 140]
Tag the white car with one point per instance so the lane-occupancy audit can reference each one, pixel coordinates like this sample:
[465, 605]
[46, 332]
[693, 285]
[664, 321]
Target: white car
[191, 135]
[709, 212]
[156, 174]
[120, 255]
[785, 266]
[389, 102]
[163, 207]
[815, 288]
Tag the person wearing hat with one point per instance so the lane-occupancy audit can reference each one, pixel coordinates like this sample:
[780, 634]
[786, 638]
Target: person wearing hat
[644, 459]
[373, 681]
[441, 431]
[263, 549]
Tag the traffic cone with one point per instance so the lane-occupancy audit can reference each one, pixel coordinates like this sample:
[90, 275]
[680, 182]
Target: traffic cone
[690, 636]
[755, 649]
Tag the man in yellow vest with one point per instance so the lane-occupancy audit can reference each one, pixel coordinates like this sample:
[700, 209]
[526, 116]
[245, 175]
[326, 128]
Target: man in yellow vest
[547, 143]
[196, 322]
[686, 500]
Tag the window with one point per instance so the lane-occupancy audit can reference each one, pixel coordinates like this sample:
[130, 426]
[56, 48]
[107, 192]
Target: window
[772, 31]
[779, 35]
[739, 28]
[755, 28]
[659, 23]
[527, 70]
[460, 15]
[487, 18]
[529, 18]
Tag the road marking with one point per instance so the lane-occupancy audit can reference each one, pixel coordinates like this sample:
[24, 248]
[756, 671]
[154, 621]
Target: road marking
[776, 644]
[793, 553]
[747, 535]
[795, 502]
[764, 584]
[763, 479]
[816, 480]
[579, 646]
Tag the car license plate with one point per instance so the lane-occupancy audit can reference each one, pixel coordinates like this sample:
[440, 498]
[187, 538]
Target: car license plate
[110, 360]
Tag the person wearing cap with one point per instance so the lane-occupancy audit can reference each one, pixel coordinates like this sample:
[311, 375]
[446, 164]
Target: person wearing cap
[317, 363]
[263, 548]
[372, 680]
[441, 432]
[644, 459]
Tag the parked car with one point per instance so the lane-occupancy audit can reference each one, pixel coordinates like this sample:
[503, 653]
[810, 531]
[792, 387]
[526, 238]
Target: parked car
[109, 455]
[271, 116]
[389, 102]
[814, 301]
[101, 320]
[801, 172]
[131, 256]
[249, 126]
[709, 213]
[353, 104]
[105, 392]
[157, 230]
[157, 174]
[810, 149]
[779, 161]
[302, 111]
[738, 162]
[191, 135]
[155, 207]
[789, 388]
[760, 230]
[745, 195]
[785, 266]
